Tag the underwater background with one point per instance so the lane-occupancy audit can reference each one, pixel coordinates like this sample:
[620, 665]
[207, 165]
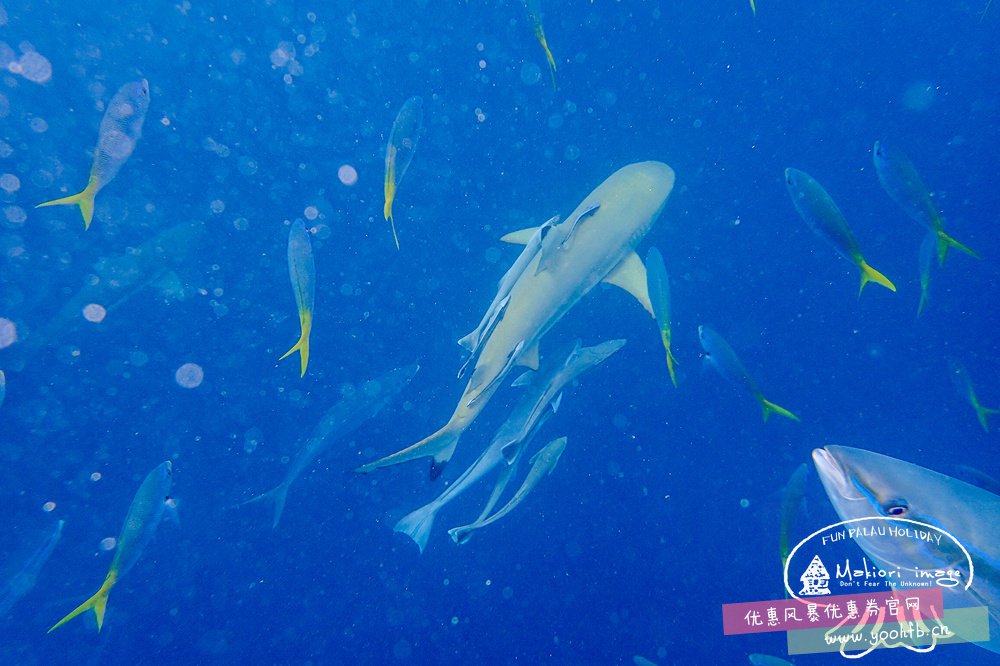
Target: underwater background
[665, 504]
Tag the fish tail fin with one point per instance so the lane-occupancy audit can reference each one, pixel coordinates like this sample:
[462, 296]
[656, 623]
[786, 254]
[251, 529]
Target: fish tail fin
[460, 534]
[441, 445]
[923, 299]
[278, 495]
[671, 362]
[982, 413]
[97, 603]
[771, 408]
[387, 212]
[417, 524]
[302, 346]
[945, 242]
[869, 274]
[84, 199]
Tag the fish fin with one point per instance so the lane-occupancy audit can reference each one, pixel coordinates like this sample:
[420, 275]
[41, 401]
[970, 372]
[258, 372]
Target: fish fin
[753, 7]
[461, 534]
[278, 495]
[519, 237]
[771, 408]
[630, 275]
[441, 445]
[982, 413]
[945, 242]
[468, 342]
[524, 379]
[390, 196]
[923, 298]
[529, 359]
[302, 346]
[558, 401]
[417, 524]
[97, 603]
[671, 361]
[869, 274]
[84, 199]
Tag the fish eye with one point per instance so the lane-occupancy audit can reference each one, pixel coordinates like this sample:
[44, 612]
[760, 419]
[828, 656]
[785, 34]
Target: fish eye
[896, 508]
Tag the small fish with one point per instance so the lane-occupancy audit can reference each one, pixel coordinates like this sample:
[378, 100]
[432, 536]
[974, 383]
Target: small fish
[729, 365]
[143, 517]
[119, 132]
[399, 151]
[658, 284]
[926, 262]
[963, 383]
[822, 215]
[542, 464]
[535, 14]
[767, 660]
[560, 238]
[902, 182]
[302, 270]
[791, 498]
[24, 580]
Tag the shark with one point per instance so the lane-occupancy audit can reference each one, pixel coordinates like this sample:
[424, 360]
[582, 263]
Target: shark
[598, 246]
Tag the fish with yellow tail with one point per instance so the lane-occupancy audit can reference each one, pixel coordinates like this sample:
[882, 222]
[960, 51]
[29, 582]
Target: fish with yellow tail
[658, 284]
[144, 515]
[963, 384]
[119, 132]
[902, 182]
[535, 14]
[823, 216]
[399, 152]
[724, 359]
[302, 271]
[603, 249]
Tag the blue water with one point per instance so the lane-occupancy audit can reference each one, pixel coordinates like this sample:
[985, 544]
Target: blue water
[636, 540]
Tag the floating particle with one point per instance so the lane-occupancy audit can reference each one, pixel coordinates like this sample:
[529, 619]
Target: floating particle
[94, 313]
[96, 476]
[311, 213]
[48, 507]
[38, 125]
[217, 206]
[530, 73]
[190, 375]
[744, 503]
[108, 543]
[35, 67]
[347, 174]
[9, 183]
[8, 332]
[15, 214]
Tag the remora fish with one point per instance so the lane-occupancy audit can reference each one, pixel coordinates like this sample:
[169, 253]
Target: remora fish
[302, 271]
[24, 580]
[143, 517]
[542, 464]
[658, 284]
[864, 484]
[729, 365]
[823, 216]
[343, 418]
[604, 249]
[120, 130]
[540, 400]
[902, 182]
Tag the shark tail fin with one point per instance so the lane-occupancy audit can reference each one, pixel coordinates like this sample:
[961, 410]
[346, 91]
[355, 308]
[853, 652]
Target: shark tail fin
[982, 413]
[278, 495]
[97, 603]
[302, 346]
[946, 242]
[441, 445]
[869, 274]
[84, 199]
[417, 524]
[771, 408]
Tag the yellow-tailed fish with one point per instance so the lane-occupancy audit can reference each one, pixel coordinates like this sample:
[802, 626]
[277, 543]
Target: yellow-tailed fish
[926, 262]
[820, 212]
[791, 498]
[398, 153]
[144, 515]
[963, 384]
[120, 130]
[903, 184]
[729, 365]
[302, 270]
[535, 13]
[658, 284]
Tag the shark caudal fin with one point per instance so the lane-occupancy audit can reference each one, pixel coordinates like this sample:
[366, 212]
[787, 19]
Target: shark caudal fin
[869, 274]
[97, 603]
[441, 445]
[417, 524]
[84, 199]
[945, 242]
[302, 347]
[771, 408]
[277, 495]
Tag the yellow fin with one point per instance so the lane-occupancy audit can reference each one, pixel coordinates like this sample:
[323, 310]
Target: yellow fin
[84, 199]
[302, 346]
[529, 359]
[520, 237]
[630, 275]
[771, 408]
[869, 274]
[945, 242]
[982, 413]
[671, 361]
[97, 603]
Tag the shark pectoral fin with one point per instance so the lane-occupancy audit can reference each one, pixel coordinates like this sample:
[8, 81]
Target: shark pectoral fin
[771, 408]
[97, 603]
[529, 359]
[520, 237]
[441, 445]
[869, 274]
[630, 275]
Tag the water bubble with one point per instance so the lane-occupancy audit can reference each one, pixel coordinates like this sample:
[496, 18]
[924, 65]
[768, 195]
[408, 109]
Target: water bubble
[15, 214]
[347, 174]
[282, 55]
[556, 121]
[454, 620]
[311, 213]
[744, 503]
[38, 125]
[530, 73]
[217, 206]
[190, 375]
[108, 543]
[8, 333]
[48, 507]
[96, 476]
[35, 67]
[94, 313]
[571, 153]
[10, 183]
[241, 224]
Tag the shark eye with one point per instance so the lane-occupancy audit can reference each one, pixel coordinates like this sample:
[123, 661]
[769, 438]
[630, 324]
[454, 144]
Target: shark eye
[896, 508]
